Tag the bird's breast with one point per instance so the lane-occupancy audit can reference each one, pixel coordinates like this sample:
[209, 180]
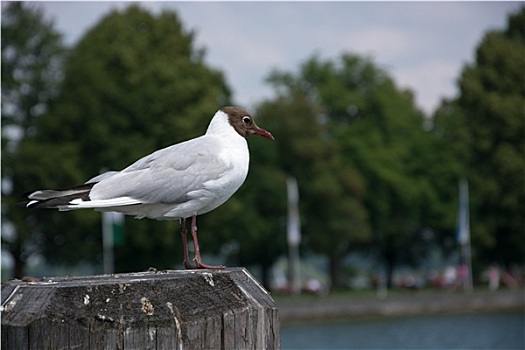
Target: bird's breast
[221, 189]
[237, 160]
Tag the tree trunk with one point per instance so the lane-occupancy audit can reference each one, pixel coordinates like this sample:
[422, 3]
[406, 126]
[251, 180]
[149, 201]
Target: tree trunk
[389, 274]
[265, 276]
[18, 261]
[390, 263]
[335, 271]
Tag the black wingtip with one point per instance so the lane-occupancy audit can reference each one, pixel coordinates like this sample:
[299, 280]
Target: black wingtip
[56, 198]
[27, 204]
[22, 204]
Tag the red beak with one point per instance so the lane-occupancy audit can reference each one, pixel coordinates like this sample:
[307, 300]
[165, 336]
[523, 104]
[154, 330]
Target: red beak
[264, 133]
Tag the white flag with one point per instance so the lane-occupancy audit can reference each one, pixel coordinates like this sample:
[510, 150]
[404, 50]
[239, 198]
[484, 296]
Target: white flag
[294, 225]
[463, 229]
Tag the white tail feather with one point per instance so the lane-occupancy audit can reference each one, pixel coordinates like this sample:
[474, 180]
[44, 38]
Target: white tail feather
[100, 203]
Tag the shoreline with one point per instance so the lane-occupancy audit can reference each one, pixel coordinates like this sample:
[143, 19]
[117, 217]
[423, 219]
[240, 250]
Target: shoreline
[309, 308]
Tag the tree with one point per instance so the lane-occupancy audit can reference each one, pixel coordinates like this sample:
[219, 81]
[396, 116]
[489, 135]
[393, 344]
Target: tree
[333, 217]
[133, 84]
[374, 155]
[32, 55]
[489, 119]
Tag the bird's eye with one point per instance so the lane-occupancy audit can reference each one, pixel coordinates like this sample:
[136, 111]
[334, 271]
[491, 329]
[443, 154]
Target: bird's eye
[246, 120]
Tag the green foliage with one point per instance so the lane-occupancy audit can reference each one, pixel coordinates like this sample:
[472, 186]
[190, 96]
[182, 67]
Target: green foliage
[373, 172]
[134, 79]
[360, 150]
[32, 54]
[133, 84]
[331, 193]
[491, 101]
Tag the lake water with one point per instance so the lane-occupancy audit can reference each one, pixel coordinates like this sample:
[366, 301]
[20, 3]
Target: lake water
[442, 331]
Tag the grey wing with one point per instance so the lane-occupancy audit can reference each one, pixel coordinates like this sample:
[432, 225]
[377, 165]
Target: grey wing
[101, 177]
[166, 176]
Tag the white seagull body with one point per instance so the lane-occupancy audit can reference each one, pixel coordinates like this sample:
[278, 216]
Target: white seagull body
[177, 182]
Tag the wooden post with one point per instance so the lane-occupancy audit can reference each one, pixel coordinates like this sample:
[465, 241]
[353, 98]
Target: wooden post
[204, 309]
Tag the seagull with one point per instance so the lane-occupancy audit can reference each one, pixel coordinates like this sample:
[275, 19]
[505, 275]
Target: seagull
[174, 183]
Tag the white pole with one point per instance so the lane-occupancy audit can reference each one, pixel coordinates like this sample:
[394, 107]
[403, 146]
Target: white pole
[293, 235]
[464, 236]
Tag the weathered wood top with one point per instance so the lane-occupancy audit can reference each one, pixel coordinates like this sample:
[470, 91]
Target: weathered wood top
[164, 309]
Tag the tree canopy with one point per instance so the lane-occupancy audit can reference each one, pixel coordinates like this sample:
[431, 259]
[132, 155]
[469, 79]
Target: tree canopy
[133, 84]
[374, 174]
[486, 125]
[357, 146]
[32, 57]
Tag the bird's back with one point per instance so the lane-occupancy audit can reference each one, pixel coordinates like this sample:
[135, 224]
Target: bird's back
[191, 177]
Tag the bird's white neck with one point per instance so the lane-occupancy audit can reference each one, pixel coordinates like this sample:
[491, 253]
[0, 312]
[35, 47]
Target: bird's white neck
[220, 126]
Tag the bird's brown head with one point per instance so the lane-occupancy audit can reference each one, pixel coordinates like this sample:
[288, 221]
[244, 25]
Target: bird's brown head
[243, 122]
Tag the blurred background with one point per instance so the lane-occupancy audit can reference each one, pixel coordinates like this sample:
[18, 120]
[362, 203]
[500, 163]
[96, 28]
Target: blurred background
[398, 165]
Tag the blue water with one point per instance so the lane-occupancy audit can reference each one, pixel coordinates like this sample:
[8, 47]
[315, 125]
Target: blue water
[443, 331]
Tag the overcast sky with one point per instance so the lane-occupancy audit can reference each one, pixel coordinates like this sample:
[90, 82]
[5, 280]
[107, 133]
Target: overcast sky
[423, 45]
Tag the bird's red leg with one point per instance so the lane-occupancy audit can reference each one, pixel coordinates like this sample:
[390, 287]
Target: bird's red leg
[197, 259]
[183, 234]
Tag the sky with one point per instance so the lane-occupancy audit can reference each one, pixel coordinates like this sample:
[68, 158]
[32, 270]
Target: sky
[422, 45]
